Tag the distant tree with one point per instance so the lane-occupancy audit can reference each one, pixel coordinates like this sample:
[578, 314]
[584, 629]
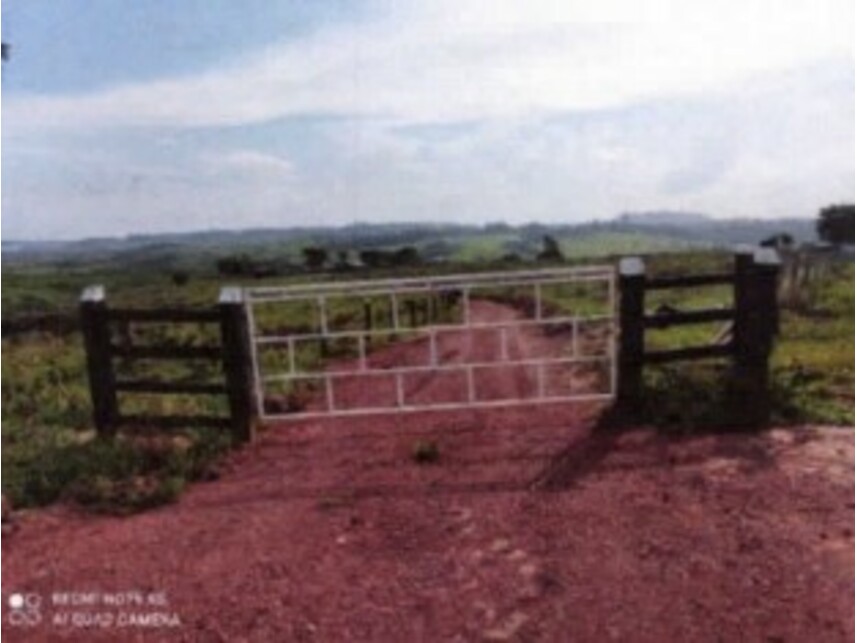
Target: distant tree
[550, 250]
[180, 277]
[283, 266]
[235, 266]
[343, 260]
[406, 256]
[263, 270]
[372, 258]
[779, 241]
[836, 224]
[314, 257]
[223, 266]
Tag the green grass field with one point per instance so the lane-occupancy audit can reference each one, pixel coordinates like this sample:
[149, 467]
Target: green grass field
[608, 244]
[493, 246]
[486, 247]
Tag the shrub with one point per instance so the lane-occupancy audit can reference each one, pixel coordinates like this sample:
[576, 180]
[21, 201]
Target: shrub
[180, 278]
[425, 452]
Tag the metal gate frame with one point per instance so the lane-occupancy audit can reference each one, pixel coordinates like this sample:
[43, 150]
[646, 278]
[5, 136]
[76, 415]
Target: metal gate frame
[393, 288]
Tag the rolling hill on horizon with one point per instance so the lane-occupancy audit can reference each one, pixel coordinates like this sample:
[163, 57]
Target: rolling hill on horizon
[630, 232]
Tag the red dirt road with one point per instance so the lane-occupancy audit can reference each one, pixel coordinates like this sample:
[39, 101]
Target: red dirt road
[528, 528]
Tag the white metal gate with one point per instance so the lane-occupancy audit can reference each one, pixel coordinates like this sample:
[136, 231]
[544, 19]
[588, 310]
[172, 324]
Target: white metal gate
[449, 342]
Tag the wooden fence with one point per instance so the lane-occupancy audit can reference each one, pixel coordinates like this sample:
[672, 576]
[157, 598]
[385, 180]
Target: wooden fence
[97, 322]
[753, 319]
[801, 269]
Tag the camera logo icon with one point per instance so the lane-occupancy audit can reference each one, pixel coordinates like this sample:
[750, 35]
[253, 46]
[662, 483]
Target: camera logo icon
[25, 610]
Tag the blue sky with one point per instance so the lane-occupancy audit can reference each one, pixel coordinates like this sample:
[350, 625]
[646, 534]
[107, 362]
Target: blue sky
[139, 117]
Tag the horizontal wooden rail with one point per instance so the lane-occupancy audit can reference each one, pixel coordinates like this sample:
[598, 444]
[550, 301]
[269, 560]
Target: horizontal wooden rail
[677, 318]
[175, 421]
[167, 352]
[164, 315]
[690, 281]
[159, 386]
[687, 354]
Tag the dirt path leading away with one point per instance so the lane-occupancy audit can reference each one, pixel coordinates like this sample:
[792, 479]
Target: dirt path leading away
[528, 528]
[495, 381]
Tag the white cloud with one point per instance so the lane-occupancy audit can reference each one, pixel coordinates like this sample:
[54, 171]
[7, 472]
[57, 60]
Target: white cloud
[251, 163]
[779, 147]
[455, 60]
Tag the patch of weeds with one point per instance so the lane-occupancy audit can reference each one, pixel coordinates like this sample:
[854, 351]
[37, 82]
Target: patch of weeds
[806, 395]
[425, 452]
[299, 399]
[102, 494]
[196, 461]
[119, 476]
[295, 398]
[156, 471]
[683, 398]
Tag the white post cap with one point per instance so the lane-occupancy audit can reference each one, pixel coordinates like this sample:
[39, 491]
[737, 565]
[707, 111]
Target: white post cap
[231, 295]
[93, 293]
[766, 257]
[632, 267]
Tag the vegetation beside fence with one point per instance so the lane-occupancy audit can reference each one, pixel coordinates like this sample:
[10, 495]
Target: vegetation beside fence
[812, 366]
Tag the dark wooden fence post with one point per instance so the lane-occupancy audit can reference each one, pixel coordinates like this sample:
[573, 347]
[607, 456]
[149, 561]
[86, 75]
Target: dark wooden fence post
[632, 289]
[756, 322]
[95, 326]
[394, 319]
[411, 305]
[367, 320]
[237, 363]
[367, 315]
[745, 302]
[746, 375]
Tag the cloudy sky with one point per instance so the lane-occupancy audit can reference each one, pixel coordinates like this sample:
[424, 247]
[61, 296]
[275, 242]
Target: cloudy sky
[146, 116]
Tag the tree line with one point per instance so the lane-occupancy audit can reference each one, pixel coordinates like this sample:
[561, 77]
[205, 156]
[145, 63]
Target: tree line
[318, 258]
[835, 225]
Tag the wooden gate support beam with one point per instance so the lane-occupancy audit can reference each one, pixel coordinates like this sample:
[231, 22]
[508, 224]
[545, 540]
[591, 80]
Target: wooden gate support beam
[756, 326]
[632, 294]
[237, 363]
[94, 324]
